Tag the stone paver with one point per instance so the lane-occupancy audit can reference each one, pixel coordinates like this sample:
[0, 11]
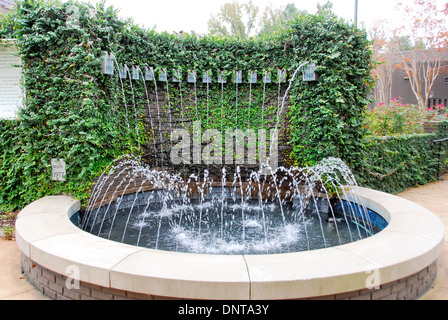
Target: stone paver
[434, 197]
[13, 284]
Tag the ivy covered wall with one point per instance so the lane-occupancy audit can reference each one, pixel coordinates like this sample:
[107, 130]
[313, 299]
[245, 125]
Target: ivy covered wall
[75, 112]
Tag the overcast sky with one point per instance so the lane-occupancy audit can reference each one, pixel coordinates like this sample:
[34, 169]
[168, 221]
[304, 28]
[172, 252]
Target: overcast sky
[192, 15]
[188, 15]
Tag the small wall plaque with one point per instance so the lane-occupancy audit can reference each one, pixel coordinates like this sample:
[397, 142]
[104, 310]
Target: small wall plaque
[58, 172]
[149, 74]
[107, 65]
[310, 73]
[177, 76]
[253, 77]
[238, 77]
[222, 78]
[163, 76]
[191, 77]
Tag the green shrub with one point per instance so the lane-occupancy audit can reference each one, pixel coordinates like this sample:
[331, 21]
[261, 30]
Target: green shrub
[395, 163]
[8, 233]
[438, 113]
[67, 114]
[395, 119]
[327, 116]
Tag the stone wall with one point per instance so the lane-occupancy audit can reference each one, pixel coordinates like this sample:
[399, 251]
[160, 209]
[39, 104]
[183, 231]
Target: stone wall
[54, 286]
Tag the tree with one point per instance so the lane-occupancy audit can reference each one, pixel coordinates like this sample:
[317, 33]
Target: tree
[427, 31]
[246, 19]
[234, 19]
[383, 71]
[327, 7]
[387, 57]
[275, 19]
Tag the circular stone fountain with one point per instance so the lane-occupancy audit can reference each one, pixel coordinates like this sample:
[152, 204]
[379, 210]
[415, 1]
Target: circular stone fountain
[399, 262]
[388, 250]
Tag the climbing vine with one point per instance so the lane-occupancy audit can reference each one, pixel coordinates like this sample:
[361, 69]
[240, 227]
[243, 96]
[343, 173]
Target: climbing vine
[75, 112]
[327, 116]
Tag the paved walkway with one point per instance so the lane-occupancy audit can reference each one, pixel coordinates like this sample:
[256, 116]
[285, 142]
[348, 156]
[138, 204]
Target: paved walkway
[434, 197]
[14, 286]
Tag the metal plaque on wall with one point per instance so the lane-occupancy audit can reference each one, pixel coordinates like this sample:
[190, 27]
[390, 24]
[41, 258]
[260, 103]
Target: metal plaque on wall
[58, 172]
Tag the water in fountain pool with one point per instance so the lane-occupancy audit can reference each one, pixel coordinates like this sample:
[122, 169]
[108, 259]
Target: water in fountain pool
[290, 211]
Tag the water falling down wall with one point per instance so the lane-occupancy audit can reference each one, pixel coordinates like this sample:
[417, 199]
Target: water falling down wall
[173, 100]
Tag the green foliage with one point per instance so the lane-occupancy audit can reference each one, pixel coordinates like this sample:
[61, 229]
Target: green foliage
[67, 115]
[8, 233]
[396, 163]
[437, 113]
[395, 119]
[327, 116]
[76, 113]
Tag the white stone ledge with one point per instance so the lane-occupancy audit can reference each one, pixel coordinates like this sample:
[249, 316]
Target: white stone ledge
[412, 241]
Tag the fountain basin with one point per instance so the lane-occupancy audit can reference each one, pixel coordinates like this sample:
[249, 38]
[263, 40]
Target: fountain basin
[398, 262]
[223, 224]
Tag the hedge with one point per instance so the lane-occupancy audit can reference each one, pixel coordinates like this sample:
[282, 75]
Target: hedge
[397, 163]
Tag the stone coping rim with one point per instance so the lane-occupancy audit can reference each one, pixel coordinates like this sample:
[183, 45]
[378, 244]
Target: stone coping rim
[412, 241]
